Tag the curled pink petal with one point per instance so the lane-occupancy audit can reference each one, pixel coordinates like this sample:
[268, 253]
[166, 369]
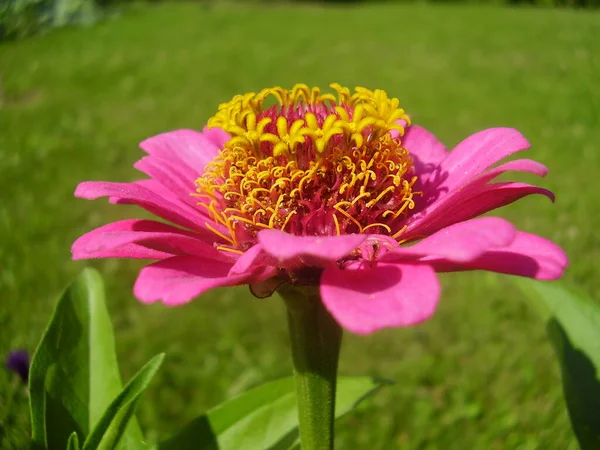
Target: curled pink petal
[142, 239]
[469, 203]
[528, 256]
[518, 165]
[132, 193]
[479, 152]
[435, 198]
[316, 251]
[188, 146]
[200, 214]
[460, 242]
[180, 279]
[364, 300]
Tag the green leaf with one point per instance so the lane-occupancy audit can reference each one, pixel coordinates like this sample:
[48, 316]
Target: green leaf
[111, 426]
[264, 418]
[573, 325]
[63, 11]
[73, 442]
[74, 373]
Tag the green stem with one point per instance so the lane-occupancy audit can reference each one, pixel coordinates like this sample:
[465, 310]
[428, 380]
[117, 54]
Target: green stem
[316, 339]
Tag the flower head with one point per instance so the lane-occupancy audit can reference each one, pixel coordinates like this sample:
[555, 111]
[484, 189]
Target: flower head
[295, 187]
[309, 165]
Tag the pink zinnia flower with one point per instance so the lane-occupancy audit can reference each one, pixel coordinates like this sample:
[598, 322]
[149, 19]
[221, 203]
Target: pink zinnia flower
[339, 193]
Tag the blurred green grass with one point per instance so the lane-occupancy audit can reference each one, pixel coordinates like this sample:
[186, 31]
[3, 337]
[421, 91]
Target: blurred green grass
[479, 375]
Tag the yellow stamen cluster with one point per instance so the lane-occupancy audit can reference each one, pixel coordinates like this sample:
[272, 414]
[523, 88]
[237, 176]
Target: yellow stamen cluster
[349, 116]
[309, 165]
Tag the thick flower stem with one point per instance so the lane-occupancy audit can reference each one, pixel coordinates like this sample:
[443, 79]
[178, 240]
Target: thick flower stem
[316, 339]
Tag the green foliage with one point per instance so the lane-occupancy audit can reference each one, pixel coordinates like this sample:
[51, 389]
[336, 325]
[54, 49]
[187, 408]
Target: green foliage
[112, 425]
[73, 442]
[20, 18]
[263, 418]
[74, 376]
[573, 325]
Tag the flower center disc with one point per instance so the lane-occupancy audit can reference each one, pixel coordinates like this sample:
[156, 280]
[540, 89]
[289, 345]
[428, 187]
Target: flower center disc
[310, 165]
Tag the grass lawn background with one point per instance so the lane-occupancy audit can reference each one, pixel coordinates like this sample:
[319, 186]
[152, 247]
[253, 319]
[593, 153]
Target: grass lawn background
[479, 375]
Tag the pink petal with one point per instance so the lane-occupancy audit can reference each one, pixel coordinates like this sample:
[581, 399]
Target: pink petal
[180, 279]
[216, 136]
[364, 300]
[197, 210]
[156, 188]
[252, 259]
[134, 193]
[425, 149]
[181, 185]
[142, 239]
[265, 280]
[460, 242]
[517, 165]
[468, 203]
[496, 195]
[433, 198]
[313, 251]
[479, 152]
[189, 147]
[394, 133]
[528, 255]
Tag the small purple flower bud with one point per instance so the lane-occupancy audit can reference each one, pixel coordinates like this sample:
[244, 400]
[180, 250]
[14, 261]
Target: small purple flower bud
[18, 362]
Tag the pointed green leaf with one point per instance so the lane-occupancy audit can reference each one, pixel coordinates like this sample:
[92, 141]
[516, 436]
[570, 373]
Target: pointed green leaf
[264, 418]
[573, 325]
[74, 373]
[73, 442]
[111, 426]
